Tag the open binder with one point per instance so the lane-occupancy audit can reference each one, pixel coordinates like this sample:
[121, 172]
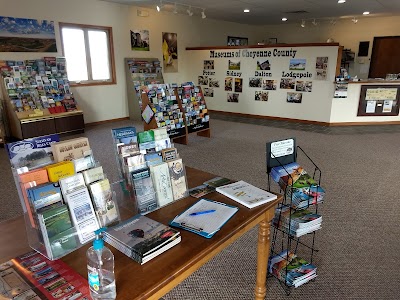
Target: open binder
[205, 224]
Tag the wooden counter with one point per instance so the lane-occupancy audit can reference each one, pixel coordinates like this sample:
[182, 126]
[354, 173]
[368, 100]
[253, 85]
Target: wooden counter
[155, 278]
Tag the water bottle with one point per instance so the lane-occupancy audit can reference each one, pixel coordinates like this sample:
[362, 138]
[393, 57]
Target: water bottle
[101, 270]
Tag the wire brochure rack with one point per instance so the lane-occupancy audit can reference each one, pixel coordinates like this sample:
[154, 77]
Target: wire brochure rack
[296, 217]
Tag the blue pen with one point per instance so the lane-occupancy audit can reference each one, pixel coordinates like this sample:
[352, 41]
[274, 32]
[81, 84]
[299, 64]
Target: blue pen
[202, 212]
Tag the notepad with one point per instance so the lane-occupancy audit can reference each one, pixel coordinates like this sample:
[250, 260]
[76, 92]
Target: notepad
[207, 224]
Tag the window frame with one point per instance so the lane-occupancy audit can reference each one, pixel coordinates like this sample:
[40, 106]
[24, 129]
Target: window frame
[85, 28]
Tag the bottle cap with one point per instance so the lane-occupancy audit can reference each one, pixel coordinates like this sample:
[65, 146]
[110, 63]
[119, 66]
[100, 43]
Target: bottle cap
[98, 243]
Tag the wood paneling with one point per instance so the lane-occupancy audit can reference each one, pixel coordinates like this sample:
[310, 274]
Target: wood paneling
[385, 58]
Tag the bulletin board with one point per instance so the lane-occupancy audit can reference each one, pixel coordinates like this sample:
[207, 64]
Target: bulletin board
[379, 100]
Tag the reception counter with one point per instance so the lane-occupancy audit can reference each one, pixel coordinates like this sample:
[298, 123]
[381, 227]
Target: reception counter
[368, 102]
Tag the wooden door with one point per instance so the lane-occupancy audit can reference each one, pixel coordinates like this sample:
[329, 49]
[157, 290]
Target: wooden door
[385, 56]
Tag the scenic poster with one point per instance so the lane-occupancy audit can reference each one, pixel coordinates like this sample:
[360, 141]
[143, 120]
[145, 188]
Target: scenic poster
[170, 52]
[140, 40]
[27, 35]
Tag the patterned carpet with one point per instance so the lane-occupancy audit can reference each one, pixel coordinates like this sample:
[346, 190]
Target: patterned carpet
[359, 240]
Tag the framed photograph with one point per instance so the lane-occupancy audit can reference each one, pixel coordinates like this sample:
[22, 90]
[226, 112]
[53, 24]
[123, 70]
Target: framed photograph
[237, 41]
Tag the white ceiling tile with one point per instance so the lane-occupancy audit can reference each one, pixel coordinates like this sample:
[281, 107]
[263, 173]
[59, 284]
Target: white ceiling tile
[264, 12]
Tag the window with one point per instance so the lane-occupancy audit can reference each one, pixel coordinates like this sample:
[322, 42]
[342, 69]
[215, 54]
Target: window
[89, 54]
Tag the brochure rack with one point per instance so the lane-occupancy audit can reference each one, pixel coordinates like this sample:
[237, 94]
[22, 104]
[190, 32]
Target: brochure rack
[140, 72]
[152, 173]
[192, 107]
[178, 135]
[284, 238]
[59, 218]
[38, 98]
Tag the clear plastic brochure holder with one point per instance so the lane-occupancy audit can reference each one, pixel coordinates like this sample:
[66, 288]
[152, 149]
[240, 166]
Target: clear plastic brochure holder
[60, 219]
[144, 188]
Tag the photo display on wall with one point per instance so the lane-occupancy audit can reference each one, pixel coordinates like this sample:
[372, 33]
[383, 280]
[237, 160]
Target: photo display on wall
[194, 106]
[321, 68]
[140, 40]
[263, 74]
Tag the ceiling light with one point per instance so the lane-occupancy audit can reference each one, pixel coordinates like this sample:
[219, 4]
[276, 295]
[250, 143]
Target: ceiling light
[203, 14]
[175, 9]
[366, 13]
[246, 10]
[341, 1]
[354, 20]
[303, 23]
[314, 22]
[284, 19]
[189, 11]
[159, 6]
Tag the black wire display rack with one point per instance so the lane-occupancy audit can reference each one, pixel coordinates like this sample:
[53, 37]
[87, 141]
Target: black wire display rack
[284, 240]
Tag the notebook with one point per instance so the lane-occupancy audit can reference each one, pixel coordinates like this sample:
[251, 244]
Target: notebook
[205, 217]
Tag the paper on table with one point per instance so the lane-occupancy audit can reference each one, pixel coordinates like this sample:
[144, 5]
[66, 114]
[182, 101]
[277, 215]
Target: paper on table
[210, 222]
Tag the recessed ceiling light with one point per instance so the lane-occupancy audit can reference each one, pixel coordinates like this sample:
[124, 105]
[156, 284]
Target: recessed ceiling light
[246, 10]
[284, 19]
[341, 1]
[366, 13]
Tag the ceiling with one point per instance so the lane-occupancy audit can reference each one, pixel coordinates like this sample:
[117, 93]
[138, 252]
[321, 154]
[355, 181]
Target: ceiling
[266, 12]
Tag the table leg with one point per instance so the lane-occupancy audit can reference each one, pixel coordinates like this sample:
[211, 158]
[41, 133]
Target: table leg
[262, 259]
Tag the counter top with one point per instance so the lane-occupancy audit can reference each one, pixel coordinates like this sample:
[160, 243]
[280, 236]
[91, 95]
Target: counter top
[372, 81]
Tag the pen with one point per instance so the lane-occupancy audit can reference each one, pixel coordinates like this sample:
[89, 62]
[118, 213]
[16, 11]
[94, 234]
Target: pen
[202, 212]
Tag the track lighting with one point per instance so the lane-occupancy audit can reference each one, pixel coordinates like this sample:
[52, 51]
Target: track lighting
[333, 22]
[303, 23]
[314, 22]
[189, 11]
[159, 6]
[173, 7]
[354, 20]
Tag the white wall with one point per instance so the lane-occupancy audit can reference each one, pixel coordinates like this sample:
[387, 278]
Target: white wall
[343, 32]
[315, 106]
[345, 109]
[110, 102]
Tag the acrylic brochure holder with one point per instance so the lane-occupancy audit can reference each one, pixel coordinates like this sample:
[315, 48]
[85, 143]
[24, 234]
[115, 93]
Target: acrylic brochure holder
[65, 223]
[205, 217]
[145, 194]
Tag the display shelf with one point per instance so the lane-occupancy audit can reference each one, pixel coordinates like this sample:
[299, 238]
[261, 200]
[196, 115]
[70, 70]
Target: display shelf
[290, 241]
[140, 72]
[168, 111]
[38, 100]
[195, 109]
[63, 201]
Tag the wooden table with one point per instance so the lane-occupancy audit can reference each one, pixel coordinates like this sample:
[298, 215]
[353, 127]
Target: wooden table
[158, 276]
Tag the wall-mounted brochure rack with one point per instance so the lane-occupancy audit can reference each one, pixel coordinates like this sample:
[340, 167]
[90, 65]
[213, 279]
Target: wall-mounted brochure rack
[296, 218]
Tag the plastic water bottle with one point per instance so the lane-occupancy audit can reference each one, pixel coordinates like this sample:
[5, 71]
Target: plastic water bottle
[101, 270]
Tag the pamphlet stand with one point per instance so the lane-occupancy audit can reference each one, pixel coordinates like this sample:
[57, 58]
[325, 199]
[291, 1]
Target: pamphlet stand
[139, 72]
[282, 239]
[193, 107]
[195, 110]
[179, 136]
[38, 100]
[145, 206]
[64, 240]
